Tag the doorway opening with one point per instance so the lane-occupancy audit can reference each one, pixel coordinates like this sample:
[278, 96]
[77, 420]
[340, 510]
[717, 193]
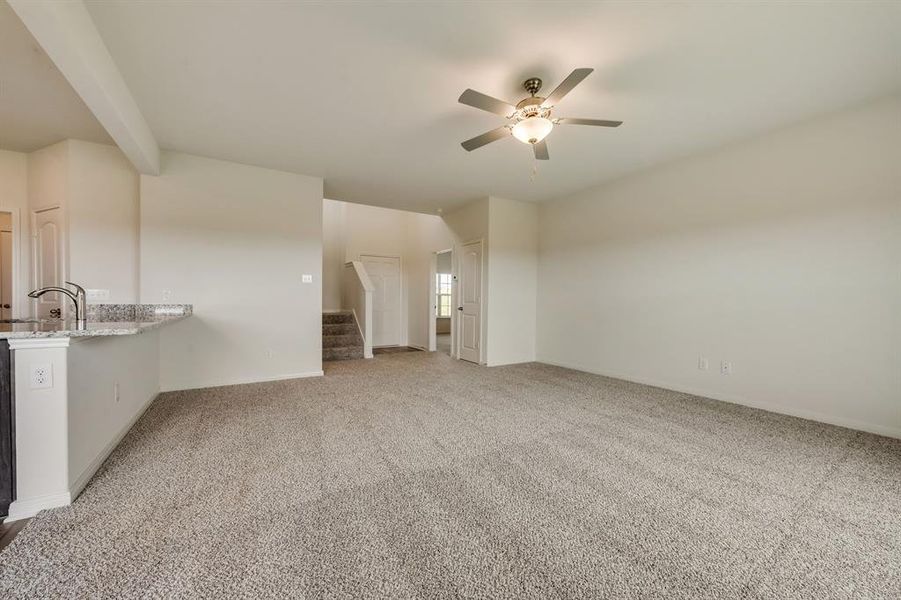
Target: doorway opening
[9, 304]
[6, 265]
[444, 277]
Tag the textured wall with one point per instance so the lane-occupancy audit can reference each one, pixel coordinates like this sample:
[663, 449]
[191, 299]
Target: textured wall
[233, 240]
[780, 255]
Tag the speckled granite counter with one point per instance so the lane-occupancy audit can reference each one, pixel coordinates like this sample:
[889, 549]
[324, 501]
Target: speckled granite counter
[103, 320]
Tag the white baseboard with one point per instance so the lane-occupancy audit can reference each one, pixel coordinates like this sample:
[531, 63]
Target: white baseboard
[810, 415]
[242, 381]
[512, 362]
[29, 507]
[25, 509]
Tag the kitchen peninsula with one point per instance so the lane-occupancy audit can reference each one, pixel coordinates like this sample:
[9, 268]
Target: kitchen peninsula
[75, 390]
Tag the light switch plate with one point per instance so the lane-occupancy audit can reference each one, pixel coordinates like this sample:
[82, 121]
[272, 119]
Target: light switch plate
[306, 278]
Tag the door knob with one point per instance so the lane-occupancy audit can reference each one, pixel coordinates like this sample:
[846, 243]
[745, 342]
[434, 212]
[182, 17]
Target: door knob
[460, 308]
[6, 306]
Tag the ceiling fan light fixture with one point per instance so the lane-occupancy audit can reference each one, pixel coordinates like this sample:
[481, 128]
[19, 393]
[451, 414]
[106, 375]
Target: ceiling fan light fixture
[530, 120]
[532, 129]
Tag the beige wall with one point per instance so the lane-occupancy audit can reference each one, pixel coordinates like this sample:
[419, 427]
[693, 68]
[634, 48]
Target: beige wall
[48, 176]
[513, 273]
[333, 253]
[97, 188]
[445, 262]
[780, 254]
[443, 325]
[233, 240]
[104, 214]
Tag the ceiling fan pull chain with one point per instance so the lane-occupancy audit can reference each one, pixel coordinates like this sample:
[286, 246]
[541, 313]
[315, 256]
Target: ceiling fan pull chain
[534, 175]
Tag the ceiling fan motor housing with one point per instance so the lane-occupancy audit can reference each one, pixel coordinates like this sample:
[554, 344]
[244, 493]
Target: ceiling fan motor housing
[532, 85]
[531, 107]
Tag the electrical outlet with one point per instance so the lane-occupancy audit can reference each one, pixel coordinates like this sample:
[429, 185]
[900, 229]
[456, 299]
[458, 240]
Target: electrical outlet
[306, 279]
[703, 363]
[270, 353]
[726, 367]
[41, 376]
[116, 391]
[167, 296]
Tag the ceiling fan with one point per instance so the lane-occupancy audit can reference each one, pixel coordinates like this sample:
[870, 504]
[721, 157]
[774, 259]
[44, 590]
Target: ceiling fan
[531, 120]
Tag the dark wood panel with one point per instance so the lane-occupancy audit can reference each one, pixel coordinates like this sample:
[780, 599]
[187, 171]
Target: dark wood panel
[7, 431]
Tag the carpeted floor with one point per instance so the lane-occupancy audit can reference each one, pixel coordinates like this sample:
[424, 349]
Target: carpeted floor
[416, 476]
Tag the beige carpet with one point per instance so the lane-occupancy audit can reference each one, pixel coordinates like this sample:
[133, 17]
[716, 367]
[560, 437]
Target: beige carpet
[416, 476]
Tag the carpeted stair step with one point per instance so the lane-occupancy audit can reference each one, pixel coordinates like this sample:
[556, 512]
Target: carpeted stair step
[342, 353]
[341, 341]
[340, 329]
[341, 338]
[337, 318]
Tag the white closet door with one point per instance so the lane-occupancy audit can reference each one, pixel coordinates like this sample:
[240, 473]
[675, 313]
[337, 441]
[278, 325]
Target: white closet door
[384, 271]
[470, 309]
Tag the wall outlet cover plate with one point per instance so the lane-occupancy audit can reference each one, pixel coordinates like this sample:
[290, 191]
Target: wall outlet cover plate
[41, 376]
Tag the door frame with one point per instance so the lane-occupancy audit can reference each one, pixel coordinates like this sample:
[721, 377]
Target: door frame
[401, 297]
[456, 324]
[433, 303]
[17, 291]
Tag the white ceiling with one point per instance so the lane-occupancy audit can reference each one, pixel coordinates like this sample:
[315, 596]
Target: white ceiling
[365, 94]
[37, 105]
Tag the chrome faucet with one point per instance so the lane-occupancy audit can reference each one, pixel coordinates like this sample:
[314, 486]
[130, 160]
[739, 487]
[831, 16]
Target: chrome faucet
[79, 297]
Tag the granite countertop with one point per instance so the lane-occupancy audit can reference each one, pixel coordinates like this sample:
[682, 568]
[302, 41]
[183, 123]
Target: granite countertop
[129, 320]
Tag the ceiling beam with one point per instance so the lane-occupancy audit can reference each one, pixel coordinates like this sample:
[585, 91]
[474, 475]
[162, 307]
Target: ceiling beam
[68, 35]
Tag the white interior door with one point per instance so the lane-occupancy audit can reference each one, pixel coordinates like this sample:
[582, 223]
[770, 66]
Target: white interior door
[48, 258]
[384, 271]
[6, 274]
[470, 309]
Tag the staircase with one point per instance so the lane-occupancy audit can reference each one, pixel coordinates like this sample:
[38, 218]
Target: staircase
[341, 339]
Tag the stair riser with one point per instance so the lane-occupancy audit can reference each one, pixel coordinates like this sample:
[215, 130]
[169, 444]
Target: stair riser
[341, 341]
[341, 353]
[337, 318]
[340, 329]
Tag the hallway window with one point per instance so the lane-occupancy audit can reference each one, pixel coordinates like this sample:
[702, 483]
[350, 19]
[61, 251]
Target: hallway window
[443, 291]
